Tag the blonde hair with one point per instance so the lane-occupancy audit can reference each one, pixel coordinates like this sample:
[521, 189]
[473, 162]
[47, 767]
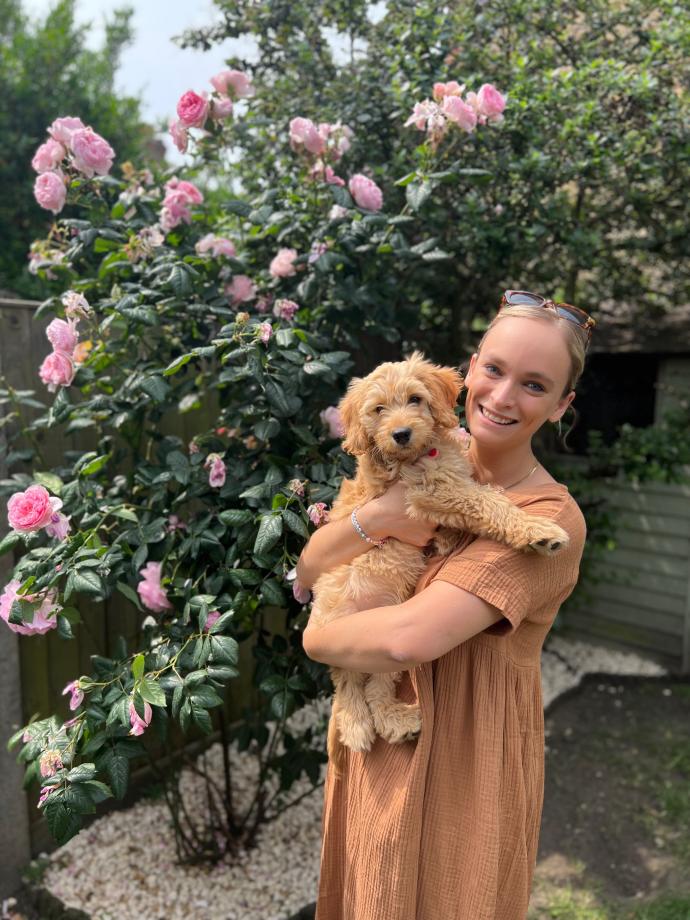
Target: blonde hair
[574, 335]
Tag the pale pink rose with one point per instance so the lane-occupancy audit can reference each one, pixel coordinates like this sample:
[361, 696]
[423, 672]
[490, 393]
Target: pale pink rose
[50, 762]
[192, 109]
[331, 418]
[63, 336]
[45, 792]
[59, 525]
[282, 265]
[263, 304]
[217, 471]
[265, 332]
[317, 250]
[138, 724]
[366, 193]
[48, 156]
[337, 212]
[91, 154]
[491, 102]
[221, 108]
[186, 188]
[421, 114]
[212, 619]
[76, 305]
[62, 129]
[216, 245]
[447, 89]
[301, 594]
[459, 112]
[179, 135]
[76, 694]
[57, 370]
[50, 191]
[233, 83]
[150, 591]
[498, 209]
[303, 132]
[175, 523]
[240, 289]
[331, 177]
[318, 513]
[42, 619]
[285, 309]
[296, 486]
[31, 510]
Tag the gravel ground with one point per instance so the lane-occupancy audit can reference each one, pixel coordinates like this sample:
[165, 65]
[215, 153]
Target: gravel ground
[124, 865]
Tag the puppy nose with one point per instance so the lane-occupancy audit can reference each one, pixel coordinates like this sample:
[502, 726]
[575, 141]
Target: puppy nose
[402, 435]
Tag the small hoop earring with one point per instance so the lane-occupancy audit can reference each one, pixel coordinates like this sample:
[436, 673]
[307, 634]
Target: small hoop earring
[559, 428]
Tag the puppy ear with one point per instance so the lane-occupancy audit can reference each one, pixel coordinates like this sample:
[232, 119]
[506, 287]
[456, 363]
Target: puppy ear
[445, 384]
[355, 440]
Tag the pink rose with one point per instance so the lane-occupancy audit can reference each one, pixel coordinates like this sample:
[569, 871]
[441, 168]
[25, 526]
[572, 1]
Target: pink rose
[76, 305]
[179, 196]
[138, 724]
[221, 108]
[216, 245]
[282, 265]
[50, 762]
[216, 477]
[63, 336]
[318, 513]
[59, 525]
[76, 694]
[92, 154]
[185, 188]
[48, 156]
[303, 132]
[331, 418]
[458, 111]
[179, 135]
[50, 191]
[491, 102]
[331, 177]
[62, 129]
[31, 510]
[42, 620]
[265, 332]
[212, 619]
[150, 591]
[296, 486]
[240, 289]
[175, 523]
[441, 90]
[232, 83]
[192, 109]
[337, 212]
[57, 370]
[421, 114]
[317, 250]
[285, 309]
[366, 193]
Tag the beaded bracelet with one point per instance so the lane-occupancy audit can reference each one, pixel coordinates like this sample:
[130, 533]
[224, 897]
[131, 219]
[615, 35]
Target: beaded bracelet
[358, 528]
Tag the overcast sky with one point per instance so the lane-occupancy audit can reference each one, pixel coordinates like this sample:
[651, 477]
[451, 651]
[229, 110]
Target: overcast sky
[153, 67]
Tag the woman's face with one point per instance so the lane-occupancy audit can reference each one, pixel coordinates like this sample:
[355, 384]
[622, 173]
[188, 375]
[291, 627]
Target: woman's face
[516, 382]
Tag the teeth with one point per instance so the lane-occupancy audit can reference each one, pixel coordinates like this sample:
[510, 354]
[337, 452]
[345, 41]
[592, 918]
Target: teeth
[499, 420]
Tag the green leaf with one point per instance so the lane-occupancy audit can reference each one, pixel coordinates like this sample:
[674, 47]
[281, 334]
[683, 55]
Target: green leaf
[272, 592]
[270, 529]
[95, 465]
[274, 683]
[117, 768]
[316, 367]
[267, 428]
[82, 773]
[235, 206]
[138, 667]
[9, 542]
[283, 404]
[341, 196]
[235, 517]
[205, 696]
[125, 513]
[224, 649]
[283, 704]
[62, 822]
[64, 628]
[156, 388]
[129, 593]
[295, 523]
[151, 692]
[177, 364]
[202, 719]
[180, 281]
[87, 582]
[51, 481]
[417, 193]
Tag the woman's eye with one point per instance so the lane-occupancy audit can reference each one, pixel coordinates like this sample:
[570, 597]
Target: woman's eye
[415, 400]
[491, 369]
[539, 387]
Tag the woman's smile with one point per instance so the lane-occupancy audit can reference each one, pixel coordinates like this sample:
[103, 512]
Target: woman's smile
[495, 418]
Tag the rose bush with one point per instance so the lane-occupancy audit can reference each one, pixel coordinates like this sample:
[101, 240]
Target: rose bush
[242, 313]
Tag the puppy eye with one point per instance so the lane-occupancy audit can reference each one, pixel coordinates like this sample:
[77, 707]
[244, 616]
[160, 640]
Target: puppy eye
[415, 400]
[379, 409]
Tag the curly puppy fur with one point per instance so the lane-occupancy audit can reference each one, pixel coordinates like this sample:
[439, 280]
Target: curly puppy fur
[392, 419]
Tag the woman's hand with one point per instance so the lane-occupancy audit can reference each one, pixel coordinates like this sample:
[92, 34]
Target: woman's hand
[386, 517]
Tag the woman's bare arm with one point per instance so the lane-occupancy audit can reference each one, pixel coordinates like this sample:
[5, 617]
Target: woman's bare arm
[338, 542]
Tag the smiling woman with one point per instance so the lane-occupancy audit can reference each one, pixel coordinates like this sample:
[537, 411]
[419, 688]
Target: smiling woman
[471, 638]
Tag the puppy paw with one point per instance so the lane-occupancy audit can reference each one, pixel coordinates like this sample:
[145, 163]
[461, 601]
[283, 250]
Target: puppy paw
[358, 736]
[545, 537]
[404, 723]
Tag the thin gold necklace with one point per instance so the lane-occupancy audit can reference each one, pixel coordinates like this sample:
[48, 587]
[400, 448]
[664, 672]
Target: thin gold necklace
[524, 478]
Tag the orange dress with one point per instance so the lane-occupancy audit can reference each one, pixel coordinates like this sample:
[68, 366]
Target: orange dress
[446, 827]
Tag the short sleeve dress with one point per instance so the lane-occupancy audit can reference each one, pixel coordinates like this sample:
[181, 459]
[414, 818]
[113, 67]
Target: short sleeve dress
[446, 827]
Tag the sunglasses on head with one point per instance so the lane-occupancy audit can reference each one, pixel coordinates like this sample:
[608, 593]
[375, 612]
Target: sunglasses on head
[566, 310]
